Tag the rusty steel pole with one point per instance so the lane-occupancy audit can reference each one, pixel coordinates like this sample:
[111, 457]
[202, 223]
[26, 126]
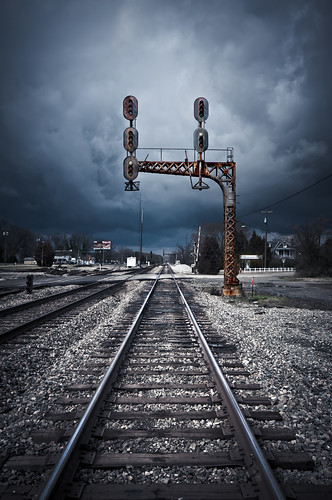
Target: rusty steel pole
[224, 174]
[232, 285]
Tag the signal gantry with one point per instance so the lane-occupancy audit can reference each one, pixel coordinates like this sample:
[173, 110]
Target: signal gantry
[222, 172]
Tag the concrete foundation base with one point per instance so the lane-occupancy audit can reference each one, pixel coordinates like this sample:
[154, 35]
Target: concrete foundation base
[234, 290]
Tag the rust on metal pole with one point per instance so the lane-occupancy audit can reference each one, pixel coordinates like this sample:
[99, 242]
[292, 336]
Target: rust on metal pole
[224, 174]
[232, 285]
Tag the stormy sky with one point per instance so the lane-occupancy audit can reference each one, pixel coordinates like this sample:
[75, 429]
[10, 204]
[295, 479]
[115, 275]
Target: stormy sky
[66, 65]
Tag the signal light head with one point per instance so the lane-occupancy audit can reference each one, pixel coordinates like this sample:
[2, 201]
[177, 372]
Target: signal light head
[201, 109]
[130, 107]
[130, 139]
[130, 168]
[201, 140]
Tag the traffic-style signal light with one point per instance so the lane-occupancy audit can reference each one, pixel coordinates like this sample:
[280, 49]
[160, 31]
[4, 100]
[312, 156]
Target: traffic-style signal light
[130, 139]
[201, 109]
[130, 168]
[130, 107]
[201, 140]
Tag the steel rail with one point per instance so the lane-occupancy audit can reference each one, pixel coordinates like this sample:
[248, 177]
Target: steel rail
[54, 296]
[57, 481]
[269, 488]
[47, 284]
[44, 300]
[5, 335]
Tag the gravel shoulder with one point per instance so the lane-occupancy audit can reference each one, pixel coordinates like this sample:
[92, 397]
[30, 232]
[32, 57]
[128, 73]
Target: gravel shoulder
[288, 350]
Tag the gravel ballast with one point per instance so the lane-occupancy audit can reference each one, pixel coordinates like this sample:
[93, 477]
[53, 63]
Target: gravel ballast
[286, 350]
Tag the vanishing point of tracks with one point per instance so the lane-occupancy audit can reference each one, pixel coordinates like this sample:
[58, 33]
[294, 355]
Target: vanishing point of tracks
[165, 404]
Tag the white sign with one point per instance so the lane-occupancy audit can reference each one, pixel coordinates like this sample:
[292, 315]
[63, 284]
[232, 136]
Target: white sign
[250, 257]
[131, 261]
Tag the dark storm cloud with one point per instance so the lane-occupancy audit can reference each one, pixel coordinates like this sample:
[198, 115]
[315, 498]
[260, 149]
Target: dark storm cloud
[67, 65]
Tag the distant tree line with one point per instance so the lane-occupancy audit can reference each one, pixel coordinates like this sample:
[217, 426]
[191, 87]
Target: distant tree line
[122, 253]
[313, 245]
[16, 243]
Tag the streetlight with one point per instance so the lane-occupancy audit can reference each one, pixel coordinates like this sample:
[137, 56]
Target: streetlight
[5, 235]
[244, 238]
[266, 212]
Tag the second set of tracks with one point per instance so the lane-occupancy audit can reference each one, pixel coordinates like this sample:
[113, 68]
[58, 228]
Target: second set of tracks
[28, 314]
[165, 422]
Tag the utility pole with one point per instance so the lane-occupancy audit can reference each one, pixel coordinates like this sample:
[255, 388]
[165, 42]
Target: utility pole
[196, 251]
[266, 212]
[5, 235]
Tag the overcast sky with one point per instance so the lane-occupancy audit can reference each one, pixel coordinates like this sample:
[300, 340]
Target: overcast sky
[66, 65]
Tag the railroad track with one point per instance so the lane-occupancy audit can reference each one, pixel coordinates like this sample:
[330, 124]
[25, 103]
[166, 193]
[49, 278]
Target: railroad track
[23, 317]
[164, 422]
[45, 284]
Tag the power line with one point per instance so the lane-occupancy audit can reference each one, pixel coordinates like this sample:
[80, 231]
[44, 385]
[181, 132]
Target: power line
[287, 197]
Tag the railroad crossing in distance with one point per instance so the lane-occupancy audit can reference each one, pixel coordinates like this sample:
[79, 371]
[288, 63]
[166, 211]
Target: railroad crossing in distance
[221, 172]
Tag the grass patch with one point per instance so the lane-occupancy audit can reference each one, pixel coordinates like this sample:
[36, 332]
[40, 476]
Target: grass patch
[264, 300]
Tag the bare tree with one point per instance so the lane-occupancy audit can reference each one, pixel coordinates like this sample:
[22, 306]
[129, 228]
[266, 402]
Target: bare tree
[185, 251]
[308, 244]
[15, 242]
[60, 241]
[80, 244]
